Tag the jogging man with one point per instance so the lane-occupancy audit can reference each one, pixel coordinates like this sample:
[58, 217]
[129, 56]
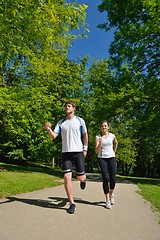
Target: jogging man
[71, 129]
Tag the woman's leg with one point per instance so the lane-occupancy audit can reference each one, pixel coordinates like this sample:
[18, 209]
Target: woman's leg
[112, 165]
[104, 170]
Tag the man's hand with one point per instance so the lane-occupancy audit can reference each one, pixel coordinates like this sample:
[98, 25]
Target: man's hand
[85, 153]
[48, 125]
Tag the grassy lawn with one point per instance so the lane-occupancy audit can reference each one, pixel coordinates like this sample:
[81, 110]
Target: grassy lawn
[18, 179]
[149, 189]
[151, 193]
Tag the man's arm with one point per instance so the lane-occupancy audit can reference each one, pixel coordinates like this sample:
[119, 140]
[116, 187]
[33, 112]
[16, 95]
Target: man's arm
[85, 142]
[51, 133]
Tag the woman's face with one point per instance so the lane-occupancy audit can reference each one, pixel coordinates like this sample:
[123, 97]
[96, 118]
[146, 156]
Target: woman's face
[104, 127]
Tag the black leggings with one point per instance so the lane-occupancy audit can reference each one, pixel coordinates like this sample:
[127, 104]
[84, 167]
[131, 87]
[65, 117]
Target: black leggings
[108, 170]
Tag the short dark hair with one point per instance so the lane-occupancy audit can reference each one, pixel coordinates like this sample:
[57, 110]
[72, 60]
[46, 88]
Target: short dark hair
[105, 121]
[70, 102]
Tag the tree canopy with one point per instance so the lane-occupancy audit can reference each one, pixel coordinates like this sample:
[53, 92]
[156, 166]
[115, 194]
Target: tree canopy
[135, 61]
[137, 29]
[36, 78]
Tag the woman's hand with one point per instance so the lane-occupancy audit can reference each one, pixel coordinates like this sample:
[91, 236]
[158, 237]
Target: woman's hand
[98, 144]
[100, 141]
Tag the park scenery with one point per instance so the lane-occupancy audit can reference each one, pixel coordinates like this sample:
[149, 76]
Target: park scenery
[37, 77]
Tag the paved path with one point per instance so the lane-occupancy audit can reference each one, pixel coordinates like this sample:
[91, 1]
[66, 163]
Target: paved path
[41, 215]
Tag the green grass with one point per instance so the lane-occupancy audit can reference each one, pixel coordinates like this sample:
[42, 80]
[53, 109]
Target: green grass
[151, 193]
[149, 189]
[18, 179]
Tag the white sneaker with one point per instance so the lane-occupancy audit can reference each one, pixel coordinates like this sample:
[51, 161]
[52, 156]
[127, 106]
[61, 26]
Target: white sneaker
[112, 199]
[108, 205]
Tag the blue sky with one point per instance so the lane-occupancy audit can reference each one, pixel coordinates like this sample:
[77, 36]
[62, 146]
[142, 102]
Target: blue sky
[98, 41]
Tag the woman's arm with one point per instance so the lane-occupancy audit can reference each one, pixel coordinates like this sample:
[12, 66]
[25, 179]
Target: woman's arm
[115, 144]
[98, 142]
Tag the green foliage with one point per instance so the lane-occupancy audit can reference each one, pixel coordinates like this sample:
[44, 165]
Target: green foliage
[36, 77]
[135, 63]
[111, 100]
[137, 30]
[16, 154]
[35, 36]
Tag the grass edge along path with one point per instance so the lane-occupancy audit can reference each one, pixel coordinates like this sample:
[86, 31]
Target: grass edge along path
[149, 189]
[15, 179]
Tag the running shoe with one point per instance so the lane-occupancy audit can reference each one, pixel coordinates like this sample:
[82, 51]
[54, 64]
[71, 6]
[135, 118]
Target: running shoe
[108, 205]
[83, 185]
[72, 208]
[112, 199]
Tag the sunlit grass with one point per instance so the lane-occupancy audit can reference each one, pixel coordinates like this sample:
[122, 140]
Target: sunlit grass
[149, 189]
[151, 193]
[17, 179]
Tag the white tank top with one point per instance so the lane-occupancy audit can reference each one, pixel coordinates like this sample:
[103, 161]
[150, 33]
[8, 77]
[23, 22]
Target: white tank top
[106, 146]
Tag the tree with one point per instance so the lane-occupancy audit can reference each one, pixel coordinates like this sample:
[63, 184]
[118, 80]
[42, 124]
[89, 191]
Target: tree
[137, 31]
[35, 36]
[135, 53]
[107, 100]
[36, 77]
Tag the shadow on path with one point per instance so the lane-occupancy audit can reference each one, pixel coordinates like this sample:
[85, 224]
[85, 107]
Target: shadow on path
[54, 202]
[79, 200]
[94, 177]
[40, 202]
[97, 177]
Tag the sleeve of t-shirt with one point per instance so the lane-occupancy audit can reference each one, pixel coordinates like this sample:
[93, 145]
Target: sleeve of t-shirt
[84, 128]
[57, 128]
[113, 136]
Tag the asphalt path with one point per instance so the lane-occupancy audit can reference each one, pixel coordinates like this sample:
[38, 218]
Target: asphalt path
[42, 215]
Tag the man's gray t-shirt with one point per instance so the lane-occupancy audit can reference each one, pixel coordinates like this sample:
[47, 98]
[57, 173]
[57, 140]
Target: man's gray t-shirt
[71, 130]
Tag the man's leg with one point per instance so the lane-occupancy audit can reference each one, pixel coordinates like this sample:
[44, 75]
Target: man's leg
[67, 170]
[68, 186]
[69, 192]
[82, 178]
[80, 169]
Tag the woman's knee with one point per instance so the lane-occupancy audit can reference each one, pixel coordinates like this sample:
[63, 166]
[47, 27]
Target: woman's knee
[105, 178]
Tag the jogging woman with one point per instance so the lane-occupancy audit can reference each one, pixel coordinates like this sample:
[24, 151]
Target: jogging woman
[105, 146]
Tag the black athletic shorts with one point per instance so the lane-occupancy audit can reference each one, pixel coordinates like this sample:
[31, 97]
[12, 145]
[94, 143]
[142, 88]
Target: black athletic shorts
[73, 158]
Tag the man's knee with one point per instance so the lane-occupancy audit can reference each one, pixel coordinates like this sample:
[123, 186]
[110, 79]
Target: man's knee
[67, 177]
[81, 178]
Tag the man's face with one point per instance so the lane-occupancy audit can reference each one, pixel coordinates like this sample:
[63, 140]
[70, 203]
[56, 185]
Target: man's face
[69, 109]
